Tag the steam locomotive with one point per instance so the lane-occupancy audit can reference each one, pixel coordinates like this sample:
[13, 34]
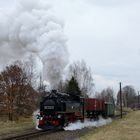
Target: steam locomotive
[59, 109]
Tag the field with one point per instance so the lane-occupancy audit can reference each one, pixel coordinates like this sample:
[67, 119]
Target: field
[127, 128]
[15, 127]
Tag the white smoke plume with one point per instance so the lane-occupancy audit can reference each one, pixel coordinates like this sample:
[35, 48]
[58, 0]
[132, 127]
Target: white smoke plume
[30, 28]
[88, 124]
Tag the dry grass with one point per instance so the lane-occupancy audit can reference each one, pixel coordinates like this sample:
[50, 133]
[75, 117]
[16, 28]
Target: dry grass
[127, 128]
[16, 126]
[124, 109]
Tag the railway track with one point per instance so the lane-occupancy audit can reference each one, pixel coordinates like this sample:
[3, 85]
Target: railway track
[30, 135]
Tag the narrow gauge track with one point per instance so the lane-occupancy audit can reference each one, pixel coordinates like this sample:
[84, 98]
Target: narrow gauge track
[39, 133]
[30, 135]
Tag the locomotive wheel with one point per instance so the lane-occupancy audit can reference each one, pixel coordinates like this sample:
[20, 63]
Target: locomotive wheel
[62, 121]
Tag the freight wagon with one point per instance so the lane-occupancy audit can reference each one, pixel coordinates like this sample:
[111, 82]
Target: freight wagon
[93, 107]
[109, 109]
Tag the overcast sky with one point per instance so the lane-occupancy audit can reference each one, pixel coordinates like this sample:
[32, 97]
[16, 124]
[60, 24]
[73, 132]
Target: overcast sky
[106, 34]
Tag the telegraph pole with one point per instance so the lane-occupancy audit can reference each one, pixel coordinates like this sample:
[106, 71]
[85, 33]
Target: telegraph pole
[138, 99]
[121, 98]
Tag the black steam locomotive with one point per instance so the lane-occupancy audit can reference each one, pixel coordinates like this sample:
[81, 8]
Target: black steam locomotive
[59, 109]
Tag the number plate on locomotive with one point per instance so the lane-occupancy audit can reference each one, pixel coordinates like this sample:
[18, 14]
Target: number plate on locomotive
[48, 107]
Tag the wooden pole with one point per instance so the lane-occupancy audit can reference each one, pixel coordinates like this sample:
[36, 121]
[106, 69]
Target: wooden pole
[138, 98]
[121, 99]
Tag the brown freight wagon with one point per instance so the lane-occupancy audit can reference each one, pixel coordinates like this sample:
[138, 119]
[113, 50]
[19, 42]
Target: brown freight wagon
[94, 107]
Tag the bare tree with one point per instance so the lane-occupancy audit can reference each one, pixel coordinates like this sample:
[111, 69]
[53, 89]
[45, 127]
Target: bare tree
[107, 94]
[62, 86]
[29, 67]
[16, 90]
[128, 96]
[83, 75]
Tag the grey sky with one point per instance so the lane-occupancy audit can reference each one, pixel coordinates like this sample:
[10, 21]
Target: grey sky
[105, 34]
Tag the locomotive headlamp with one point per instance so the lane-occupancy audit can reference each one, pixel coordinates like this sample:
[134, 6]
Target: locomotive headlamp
[41, 118]
[59, 116]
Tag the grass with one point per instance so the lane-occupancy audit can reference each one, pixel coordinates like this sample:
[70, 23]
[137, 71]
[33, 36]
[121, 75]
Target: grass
[124, 109]
[22, 124]
[127, 128]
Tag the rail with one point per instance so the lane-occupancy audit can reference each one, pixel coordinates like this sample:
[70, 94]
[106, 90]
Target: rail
[31, 135]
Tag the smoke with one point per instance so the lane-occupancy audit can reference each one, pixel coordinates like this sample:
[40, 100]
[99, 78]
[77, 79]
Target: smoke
[35, 120]
[30, 28]
[88, 123]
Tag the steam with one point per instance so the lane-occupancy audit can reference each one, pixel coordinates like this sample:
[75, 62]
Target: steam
[30, 28]
[88, 123]
[36, 121]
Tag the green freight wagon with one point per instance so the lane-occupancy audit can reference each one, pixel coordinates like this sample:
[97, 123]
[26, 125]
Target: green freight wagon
[109, 109]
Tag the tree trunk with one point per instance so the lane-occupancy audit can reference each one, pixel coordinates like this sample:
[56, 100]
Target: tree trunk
[10, 116]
